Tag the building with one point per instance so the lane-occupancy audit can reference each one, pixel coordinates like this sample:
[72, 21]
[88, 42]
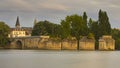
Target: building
[106, 42]
[19, 31]
[87, 43]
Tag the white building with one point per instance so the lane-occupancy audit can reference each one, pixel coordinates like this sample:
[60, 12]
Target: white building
[20, 31]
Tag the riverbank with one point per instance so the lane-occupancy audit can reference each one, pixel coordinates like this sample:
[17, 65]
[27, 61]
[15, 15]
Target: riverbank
[53, 49]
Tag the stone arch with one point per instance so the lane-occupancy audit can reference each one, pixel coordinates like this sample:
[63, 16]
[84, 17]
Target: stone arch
[19, 44]
[9, 42]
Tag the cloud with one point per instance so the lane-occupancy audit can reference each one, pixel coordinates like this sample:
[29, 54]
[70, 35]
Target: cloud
[15, 6]
[30, 6]
[55, 10]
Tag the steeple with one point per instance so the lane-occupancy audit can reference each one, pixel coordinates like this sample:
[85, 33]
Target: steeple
[17, 23]
[35, 22]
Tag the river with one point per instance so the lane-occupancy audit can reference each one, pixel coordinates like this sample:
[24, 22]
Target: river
[59, 59]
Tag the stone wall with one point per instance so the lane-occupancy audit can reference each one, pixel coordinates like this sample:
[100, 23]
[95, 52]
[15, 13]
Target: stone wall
[69, 45]
[87, 44]
[106, 43]
[31, 43]
[49, 44]
[46, 43]
[53, 45]
[42, 43]
[58, 44]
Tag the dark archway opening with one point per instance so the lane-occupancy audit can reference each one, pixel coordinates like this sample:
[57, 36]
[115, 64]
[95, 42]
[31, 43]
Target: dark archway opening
[19, 44]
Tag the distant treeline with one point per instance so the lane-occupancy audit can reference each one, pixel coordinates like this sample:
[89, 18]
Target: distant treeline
[76, 26]
[73, 26]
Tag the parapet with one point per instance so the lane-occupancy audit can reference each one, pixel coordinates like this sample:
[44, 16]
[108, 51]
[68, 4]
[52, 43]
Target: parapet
[107, 36]
[47, 37]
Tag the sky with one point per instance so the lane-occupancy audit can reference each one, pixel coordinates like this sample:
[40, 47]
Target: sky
[56, 10]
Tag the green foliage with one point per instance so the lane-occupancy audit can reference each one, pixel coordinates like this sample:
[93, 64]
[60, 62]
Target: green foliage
[100, 27]
[90, 36]
[90, 24]
[39, 29]
[85, 18]
[104, 25]
[46, 28]
[74, 26]
[85, 24]
[77, 26]
[116, 35]
[57, 31]
[95, 29]
[4, 31]
[65, 27]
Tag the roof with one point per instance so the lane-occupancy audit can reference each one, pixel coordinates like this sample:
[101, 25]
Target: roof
[29, 29]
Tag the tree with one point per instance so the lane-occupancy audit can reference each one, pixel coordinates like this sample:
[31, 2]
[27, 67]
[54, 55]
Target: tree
[4, 31]
[116, 35]
[90, 24]
[77, 26]
[49, 28]
[65, 27]
[95, 30]
[46, 28]
[85, 24]
[74, 26]
[104, 25]
[39, 29]
[85, 17]
[57, 31]
[90, 36]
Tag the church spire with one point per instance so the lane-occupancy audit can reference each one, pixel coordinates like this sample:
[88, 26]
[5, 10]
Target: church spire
[17, 23]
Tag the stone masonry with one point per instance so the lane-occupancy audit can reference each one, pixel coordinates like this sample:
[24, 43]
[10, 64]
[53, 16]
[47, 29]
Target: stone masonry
[106, 43]
[46, 43]
[87, 44]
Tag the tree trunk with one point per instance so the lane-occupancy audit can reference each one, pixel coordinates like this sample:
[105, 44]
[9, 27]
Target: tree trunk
[77, 44]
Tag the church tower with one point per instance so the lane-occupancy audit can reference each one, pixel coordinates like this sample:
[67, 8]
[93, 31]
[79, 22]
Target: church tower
[17, 25]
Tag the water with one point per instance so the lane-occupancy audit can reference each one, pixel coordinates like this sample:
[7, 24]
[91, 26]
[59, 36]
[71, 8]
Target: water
[59, 59]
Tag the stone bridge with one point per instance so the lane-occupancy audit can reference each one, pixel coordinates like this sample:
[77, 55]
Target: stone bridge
[41, 42]
[44, 42]
[26, 42]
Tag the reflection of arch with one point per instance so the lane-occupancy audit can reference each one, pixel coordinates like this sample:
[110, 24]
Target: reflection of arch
[19, 44]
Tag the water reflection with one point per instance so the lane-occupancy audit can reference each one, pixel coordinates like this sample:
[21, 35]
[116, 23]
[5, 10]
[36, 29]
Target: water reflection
[59, 59]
